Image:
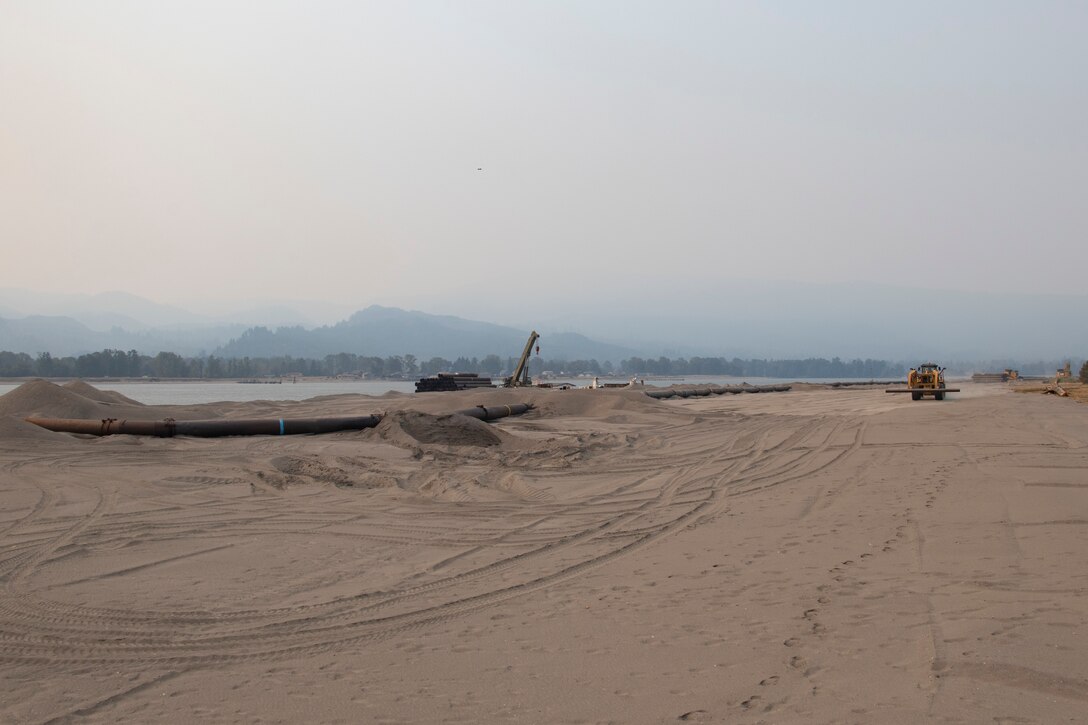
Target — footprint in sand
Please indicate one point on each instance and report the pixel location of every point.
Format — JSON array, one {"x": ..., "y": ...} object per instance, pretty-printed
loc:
[{"x": 751, "y": 702}]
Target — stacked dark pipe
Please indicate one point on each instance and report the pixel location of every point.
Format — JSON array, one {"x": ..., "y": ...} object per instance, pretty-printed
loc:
[
  {"x": 259, "y": 426},
  {"x": 446, "y": 382}
]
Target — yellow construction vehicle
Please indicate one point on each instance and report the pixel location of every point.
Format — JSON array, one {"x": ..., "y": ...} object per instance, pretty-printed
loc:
[
  {"x": 520, "y": 378},
  {"x": 926, "y": 379}
]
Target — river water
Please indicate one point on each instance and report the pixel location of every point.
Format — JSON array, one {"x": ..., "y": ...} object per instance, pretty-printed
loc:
[{"x": 204, "y": 391}]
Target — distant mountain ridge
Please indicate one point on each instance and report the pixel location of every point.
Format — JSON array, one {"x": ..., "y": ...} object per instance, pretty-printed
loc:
[
  {"x": 701, "y": 317},
  {"x": 384, "y": 331},
  {"x": 374, "y": 331}
]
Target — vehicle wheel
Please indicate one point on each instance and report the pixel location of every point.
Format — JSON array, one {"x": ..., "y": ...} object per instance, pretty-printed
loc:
[
  {"x": 915, "y": 396},
  {"x": 939, "y": 396}
]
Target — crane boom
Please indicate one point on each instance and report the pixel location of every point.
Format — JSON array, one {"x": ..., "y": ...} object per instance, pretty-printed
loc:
[{"x": 520, "y": 378}]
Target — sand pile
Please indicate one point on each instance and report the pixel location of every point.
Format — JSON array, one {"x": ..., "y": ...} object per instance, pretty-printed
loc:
[
  {"x": 102, "y": 396},
  {"x": 614, "y": 406},
  {"x": 76, "y": 399},
  {"x": 43, "y": 398},
  {"x": 409, "y": 428},
  {"x": 595, "y": 403}
]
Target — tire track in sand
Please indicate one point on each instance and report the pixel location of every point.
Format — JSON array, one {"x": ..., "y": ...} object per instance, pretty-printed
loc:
[{"x": 34, "y": 629}]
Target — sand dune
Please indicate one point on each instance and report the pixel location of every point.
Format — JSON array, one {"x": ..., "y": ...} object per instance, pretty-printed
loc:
[{"x": 812, "y": 556}]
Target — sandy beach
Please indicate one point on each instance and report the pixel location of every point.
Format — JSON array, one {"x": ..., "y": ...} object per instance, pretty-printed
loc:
[{"x": 820, "y": 555}]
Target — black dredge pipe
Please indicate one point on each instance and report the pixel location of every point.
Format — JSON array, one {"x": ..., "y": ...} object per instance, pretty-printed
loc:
[
  {"x": 169, "y": 427},
  {"x": 494, "y": 412},
  {"x": 272, "y": 426},
  {"x": 717, "y": 390}
]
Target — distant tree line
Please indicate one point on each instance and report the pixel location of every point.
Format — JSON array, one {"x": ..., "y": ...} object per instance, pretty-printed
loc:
[{"x": 131, "y": 364}]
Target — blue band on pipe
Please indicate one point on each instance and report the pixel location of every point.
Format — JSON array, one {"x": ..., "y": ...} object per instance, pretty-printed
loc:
[{"x": 281, "y": 426}]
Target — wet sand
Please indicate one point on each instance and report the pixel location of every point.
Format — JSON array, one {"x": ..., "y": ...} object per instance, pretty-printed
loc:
[{"x": 813, "y": 556}]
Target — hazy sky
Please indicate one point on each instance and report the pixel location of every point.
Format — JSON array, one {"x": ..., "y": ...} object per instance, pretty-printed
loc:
[{"x": 190, "y": 150}]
